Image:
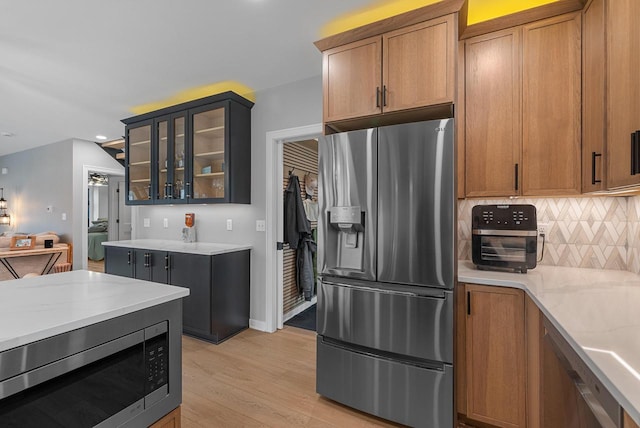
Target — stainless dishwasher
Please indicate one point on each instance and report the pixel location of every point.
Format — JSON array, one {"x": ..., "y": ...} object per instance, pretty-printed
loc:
[{"x": 572, "y": 395}]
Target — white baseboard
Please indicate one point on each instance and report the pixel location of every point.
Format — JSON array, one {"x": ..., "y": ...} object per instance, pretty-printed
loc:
[
  {"x": 300, "y": 308},
  {"x": 259, "y": 325}
]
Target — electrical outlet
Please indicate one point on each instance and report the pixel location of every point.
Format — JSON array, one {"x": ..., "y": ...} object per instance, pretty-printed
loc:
[
  {"x": 64, "y": 216},
  {"x": 261, "y": 226},
  {"x": 229, "y": 224},
  {"x": 146, "y": 222},
  {"x": 543, "y": 228},
  {"x": 165, "y": 223}
]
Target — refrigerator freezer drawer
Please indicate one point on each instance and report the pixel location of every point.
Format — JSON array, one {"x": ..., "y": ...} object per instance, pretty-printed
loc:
[
  {"x": 403, "y": 393},
  {"x": 390, "y": 321}
]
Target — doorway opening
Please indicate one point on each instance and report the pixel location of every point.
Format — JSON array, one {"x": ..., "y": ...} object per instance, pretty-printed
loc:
[
  {"x": 274, "y": 296},
  {"x": 300, "y": 159},
  {"x": 106, "y": 216}
]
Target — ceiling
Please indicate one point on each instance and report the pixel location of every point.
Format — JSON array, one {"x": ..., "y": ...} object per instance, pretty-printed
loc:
[{"x": 74, "y": 68}]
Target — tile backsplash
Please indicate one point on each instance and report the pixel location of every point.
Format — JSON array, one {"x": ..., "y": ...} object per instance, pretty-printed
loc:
[{"x": 590, "y": 232}]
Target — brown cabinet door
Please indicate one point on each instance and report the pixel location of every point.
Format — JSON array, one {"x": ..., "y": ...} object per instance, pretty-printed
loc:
[
  {"x": 495, "y": 356},
  {"x": 352, "y": 78},
  {"x": 492, "y": 114},
  {"x": 623, "y": 68},
  {"x": 418, "y": 65},
  {"x": 593, "y": 97},
  {"x": 551, "y": 106}
]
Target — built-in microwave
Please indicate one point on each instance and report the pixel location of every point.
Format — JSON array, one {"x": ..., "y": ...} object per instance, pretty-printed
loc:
[{"x": 102, "y": 385}]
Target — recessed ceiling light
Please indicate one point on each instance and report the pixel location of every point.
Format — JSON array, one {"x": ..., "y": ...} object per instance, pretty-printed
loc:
[
  {"x": 101, "y": 137},
  {"x": 7, "y": 134}
]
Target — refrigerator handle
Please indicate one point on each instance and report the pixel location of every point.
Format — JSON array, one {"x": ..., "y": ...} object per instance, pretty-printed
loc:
[{"x": 435, "y": 295}]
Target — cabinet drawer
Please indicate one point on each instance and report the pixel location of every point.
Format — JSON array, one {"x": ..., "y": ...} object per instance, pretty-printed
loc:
[
  {"x": 391, "y": 321},
  {"x": 386, "y": 388}
]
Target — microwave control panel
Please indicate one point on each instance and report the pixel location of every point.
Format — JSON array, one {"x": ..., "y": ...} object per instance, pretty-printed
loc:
[
  {"x": 156, "y": 352},
  {"x": 504, "y": 217}
]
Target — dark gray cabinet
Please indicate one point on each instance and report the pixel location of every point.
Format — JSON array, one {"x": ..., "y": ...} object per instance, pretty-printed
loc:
[
  {"x": 151, "y": 265},
  {"x": 119, "y": 261},
  {"x": 195, "y": 152},
  {"x": 218, "y": 303}
]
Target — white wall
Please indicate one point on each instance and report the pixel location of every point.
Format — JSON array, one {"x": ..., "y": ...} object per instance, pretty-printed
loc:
[
  {"x": 52, "y": 175},
  {"x": 288, "y": 106},
  {"x": 38, "y": 178}
]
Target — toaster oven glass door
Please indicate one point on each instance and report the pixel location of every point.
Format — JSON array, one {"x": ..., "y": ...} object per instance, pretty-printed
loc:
[{"x": 503, "y": 248}]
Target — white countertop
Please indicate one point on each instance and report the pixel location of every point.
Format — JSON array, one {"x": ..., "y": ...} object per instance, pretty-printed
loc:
[
  {"x": 35, "y": 308},
  {"x": 203, "y": 248},
  {"x": 597, "y": 312}
]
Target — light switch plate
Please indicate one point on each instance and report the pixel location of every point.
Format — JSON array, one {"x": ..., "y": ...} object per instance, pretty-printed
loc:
[
  {"x": 165, "y": 223},
  {"x": 146, "y": 222},
  {"x": 229, "y": 224},
  {"x": 261, "y": 226}
]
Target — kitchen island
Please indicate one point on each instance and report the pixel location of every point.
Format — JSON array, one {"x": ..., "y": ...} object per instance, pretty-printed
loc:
[
  {"x": 65, "y": 338},
  {"x": 595, "y": 311}
]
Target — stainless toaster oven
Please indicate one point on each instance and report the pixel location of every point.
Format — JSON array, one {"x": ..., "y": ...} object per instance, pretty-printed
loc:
[{"x": 504, "y": 237}]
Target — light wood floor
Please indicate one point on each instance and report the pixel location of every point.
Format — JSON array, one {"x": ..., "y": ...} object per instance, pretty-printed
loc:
[
  {"x": 258, "y": 379},
  {"x": 94, "y": 266}
]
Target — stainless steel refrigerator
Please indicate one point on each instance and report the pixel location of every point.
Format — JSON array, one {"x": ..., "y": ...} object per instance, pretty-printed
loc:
[{"x": 387, "y": 264}]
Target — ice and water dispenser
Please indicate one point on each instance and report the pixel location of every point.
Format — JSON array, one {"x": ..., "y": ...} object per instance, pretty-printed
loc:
[{"x": 346, "y": 237}]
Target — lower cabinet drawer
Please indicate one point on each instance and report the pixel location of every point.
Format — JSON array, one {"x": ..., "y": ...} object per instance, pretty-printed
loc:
[{"x": 394, "y": 390}]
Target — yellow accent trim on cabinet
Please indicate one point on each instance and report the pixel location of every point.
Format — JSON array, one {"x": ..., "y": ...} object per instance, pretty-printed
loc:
[
  {"x": 196, "y": 93},
  {"x": 479, "y": 11}
]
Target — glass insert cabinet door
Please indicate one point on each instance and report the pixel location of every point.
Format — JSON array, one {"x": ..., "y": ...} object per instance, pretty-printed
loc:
[
  {"x": 139, "y": 163},
  {"x": 208, "y": 166},
  {"x": 162, "y": 129},
  {"x": 177, "y": 185}
]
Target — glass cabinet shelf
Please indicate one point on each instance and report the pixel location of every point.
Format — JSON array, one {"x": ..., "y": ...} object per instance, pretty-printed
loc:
[
  {"x": 139, "y": 143},
  {"x": 205, "y": 130}
]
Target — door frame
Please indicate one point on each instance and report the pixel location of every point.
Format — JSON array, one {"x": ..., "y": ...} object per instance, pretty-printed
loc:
[
  {"x": 274, "y": 210},
  {"x": 85, "y": 202}
]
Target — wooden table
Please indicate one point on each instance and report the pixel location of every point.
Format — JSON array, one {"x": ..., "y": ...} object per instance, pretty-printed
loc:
[{"x": 26, "y": 261}]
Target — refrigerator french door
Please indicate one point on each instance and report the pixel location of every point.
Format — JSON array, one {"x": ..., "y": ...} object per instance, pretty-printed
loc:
[{"x": 387, "y": 262}]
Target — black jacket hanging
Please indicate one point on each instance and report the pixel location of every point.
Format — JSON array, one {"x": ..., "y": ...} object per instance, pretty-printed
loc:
[{"x": 296, "y": 224}]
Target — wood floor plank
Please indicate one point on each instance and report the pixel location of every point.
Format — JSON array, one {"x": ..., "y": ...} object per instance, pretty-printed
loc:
[{"x": 260, "y": 379}]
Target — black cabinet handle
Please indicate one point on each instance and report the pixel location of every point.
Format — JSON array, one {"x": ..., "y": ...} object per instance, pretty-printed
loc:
[
  {"x": 635, "y": 152},
  {"x": 170, "y": 192},
  {"x": 128, "y": 257},
  {"x": 147, "y": 260},
  {"x": 378, "y": 96},
  {"x": 594, "y": 155},
  {"x": 384, "y": 95},
  {"x": 149, "y": 191},
  {"x": 166, "y": 262},
  {"x": 516, "y": 172},
  {"x": 166, "y": 187},
  {"x": 637, "y": 157},
  {"x": 188, "y": 186},
  {"x": 468, "y": 303}
]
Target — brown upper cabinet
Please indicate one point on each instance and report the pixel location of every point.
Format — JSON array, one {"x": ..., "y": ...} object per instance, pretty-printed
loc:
[
  {"x": 400, "y": 70},
  {"x": 523, "y": 110},
  {"x": 611, "y": 95}
]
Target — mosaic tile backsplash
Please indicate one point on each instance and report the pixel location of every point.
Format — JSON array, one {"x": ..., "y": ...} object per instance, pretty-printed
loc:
[{"x": 600, "y": 233}]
